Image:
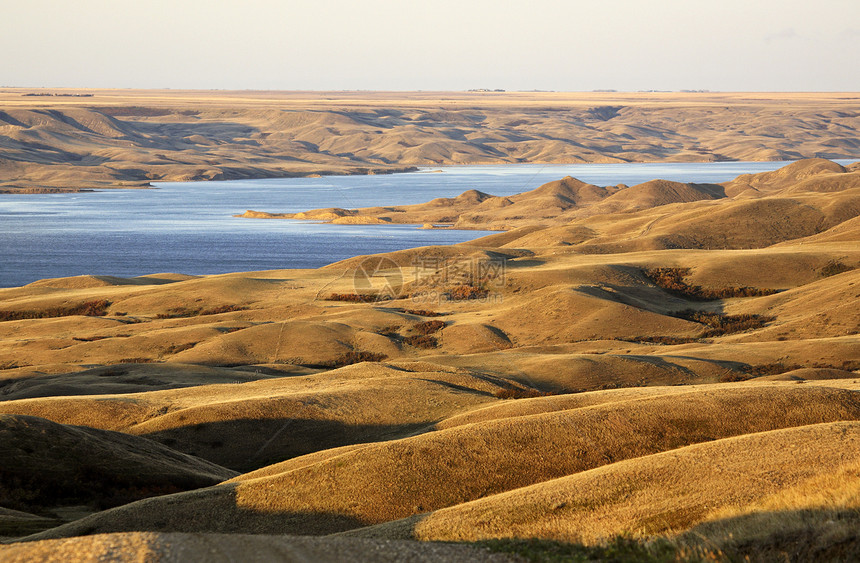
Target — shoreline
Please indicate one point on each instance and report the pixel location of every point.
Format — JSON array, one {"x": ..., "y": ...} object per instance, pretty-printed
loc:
[
  {"x": 153, "y": 184},
  {"x": 422, "y": 169},
  {"x": 558, "y": 202},
  {"x": 480, "y": 218}
]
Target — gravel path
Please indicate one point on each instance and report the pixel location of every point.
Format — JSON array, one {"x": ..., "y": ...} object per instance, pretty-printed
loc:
[{"x": 145, "y": 547}]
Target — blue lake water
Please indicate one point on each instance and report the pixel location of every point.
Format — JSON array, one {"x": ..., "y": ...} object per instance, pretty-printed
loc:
[{"x": 188, "y": 227}]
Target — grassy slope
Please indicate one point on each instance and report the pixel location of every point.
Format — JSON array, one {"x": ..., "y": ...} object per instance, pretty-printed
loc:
[
  {"x": 396, "y": 479},
  {"x": 664, "y": 493},
  {"x": 422, "y": 431},
  {"x": 46, "y": 464},
  {"x": 250, "y": 425}
]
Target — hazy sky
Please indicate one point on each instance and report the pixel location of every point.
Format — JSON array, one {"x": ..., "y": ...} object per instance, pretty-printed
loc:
[{"x": 727, "y": 45}]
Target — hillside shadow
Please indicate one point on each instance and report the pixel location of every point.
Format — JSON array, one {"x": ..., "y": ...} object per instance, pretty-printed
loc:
[
  {"x": 661, "y": 363},
  {"x": 647, "y": 298},
  {"x": 96, "y": 486},
  {"x": 173, "y": 134},
  {"x": 219, "y": 509},
  {"x": 73, "y": 385},
  {"x": 13, "y": 529},
  {"x": 791, "y": 535},
  {"x": 512, "y": 264},
  {"x": 123, "y": 379},
  {"x": 47, "y": 154},
  {"x": 455, "y": 387},
  {"x": 247, "y": 444},
  {"x": 9, "y": 120},
  {"x": 725, "y": 364},
  {"x": 403, "y": 529},
  {"x": 794, "y": 535}
]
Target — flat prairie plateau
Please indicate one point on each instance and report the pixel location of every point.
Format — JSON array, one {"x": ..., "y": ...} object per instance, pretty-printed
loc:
[
  {"x": 60, "y": 139},
  {"x": 667, "y": 371}
]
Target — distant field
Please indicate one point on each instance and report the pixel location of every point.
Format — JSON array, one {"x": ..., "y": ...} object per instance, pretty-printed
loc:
[{"x": 78, "y": 139}]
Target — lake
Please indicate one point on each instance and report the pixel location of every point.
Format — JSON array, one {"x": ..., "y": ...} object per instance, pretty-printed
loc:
[{"x": 187, "y": 227}]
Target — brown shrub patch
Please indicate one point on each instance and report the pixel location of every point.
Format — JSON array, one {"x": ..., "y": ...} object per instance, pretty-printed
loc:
[
  {"x": 422, "y": 313},
  {"x": 778, "y": 367},
  {"x": 176, "y": 348},
  {"x": 88, "y": 308},
  {"x": 769, "y": 369},
  {"x": 98, "y": 337},
  {"x": 429, "y": 327},
  {"x": 760, "y": 370},
  {"x": 223, "y": 309},
  {"x": 672, "y": 280},
  {"x": 355, "y": 357},
  {"x": 662, "y": 340},
  {"x": 112, "y": 372},
  {"x": 517, "y": 393},
  {"x": 135, "y": 361},
  {"x": 467, "y": 291},
  {"x": 835, "y": 267},
  {"x": 13, "y": 365},
  {"x": 422, "y": 341},
  {"x": 357, "y": 297},
  {"x": 721, "y": 323},
  {"x": 734, "y": 377},
  {"x": 184, "y": 312}
]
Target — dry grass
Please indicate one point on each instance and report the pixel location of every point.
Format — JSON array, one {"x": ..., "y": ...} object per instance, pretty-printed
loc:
[
  {"x": 665, "y": 493},
  {"x": 113, "y": 379},
  {"x": 185, "y": 312},
  {"x": 556, "y": 296},
  {"x": 272, "y": 419},
  {"x": 559, "y": 402},
  {"x": 371, "y": 443},
  {"x": 817, "y": 518},
  {"x": 445, "y": 468}
]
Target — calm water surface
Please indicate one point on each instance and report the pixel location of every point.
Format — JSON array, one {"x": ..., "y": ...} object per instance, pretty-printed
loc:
[{"x": 188, "y": 227}]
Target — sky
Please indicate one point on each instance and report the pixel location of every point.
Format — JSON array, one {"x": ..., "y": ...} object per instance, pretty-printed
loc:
[{"x": 625, "y": 45}]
